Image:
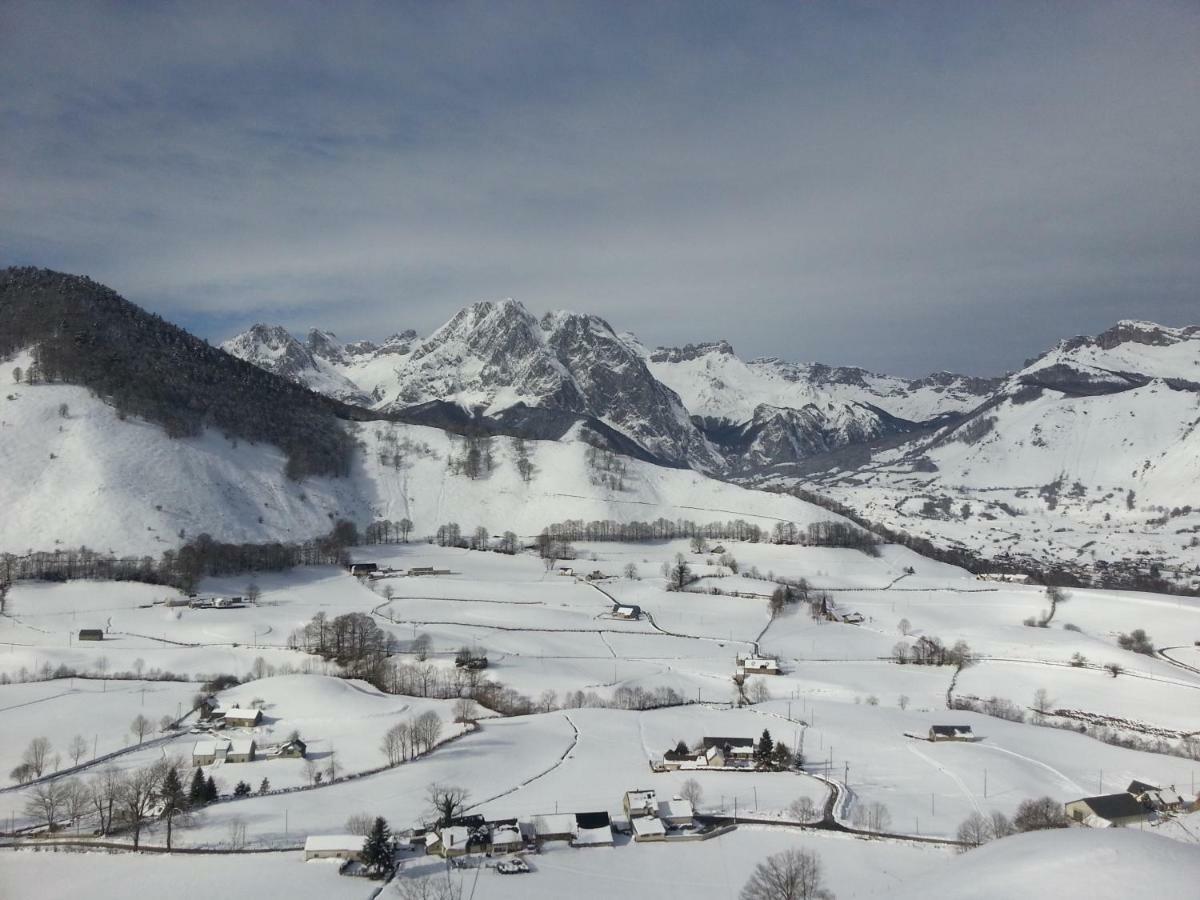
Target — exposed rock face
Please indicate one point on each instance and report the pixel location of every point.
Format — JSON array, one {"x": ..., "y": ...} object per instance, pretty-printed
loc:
[{"x": 492, "y": 357}]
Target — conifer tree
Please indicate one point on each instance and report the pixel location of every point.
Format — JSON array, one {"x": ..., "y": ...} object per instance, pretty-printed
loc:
[{"x": 377, "y": 849}]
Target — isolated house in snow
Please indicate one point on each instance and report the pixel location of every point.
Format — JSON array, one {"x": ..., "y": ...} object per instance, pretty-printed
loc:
[
  {"x": 1107, "y": 811},
  {"x": 757, "y": 665},
  {"x": 621, "y": 611},
  {"x": 364, "y": 568},
  {"x": 242, "y": 718},
  {"x": 334, "y": 846},
  {"x": 91, "y": 634},
  {"x": 951, "y": 733}
]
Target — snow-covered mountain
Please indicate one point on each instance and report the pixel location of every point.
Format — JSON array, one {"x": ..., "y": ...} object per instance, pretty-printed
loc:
[
  {"x": 768, "y": 413},
  {"x": 1090, "y": 454},
  {"x": 492, "y": 357},
  {"x": 700, "y": 406}
]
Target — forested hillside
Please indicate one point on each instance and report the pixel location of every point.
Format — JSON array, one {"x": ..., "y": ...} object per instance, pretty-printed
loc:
[{"x": 83, "y": 333}]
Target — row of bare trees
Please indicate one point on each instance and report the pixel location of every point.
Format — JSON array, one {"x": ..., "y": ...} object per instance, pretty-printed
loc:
[
  {"x": 410, "y": 738},
  {"x": 119, "y": 799}
]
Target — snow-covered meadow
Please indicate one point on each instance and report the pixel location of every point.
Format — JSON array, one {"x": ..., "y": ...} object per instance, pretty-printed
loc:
[{"x": 548, "y": 635}]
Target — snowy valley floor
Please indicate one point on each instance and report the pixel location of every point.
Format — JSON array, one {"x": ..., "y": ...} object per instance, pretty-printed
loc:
[{"x": 839, "y": 697}]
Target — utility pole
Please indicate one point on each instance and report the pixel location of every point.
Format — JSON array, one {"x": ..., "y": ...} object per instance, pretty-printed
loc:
[
  {"x": 932, "y": 807},
  {"x": 985, "y": 784},
  {"x": 756, "y": 796}
]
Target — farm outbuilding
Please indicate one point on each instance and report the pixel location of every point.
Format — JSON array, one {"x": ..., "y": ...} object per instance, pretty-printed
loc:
[
  {"x": 334, "y": 846},
  {"x": 91, "y": 634},
  {"x": 242, "y": 718},
  {"x": 951, "y": 733},
  {"x": 593, "y": 829},
  {"x": 1107, "y": 811}
]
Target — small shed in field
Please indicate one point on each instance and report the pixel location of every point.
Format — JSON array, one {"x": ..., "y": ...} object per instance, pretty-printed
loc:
[
  {"x": 91, "y": 634},
  {"x": 951, "y": 733}
]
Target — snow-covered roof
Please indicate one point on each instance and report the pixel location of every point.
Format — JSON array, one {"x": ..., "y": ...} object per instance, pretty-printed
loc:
[
  {"x": 209, "y": 748},
  {"x": 506, "y": 834},
  {"x": 646, "y": 826},
  {"x": 553, "y": 823},
  {"x": 601, "y": 835},
  {"x": 235, "y": 712},
  {"x": 639, "y": 798},
  {"x": 455, "y": 836},
  {"x": 348, "y": 842},
  {"x": 676, "y": 808},
  {"x": 241, "y": 745}
]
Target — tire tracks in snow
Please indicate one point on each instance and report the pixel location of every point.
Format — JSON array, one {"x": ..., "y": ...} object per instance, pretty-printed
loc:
[{"x": 966, "y": 792}]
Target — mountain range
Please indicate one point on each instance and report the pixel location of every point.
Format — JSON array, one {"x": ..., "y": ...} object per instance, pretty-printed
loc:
[{"x": 1086, "y": 459}]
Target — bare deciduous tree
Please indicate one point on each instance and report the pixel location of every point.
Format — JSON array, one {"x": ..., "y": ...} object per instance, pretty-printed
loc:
[
  {"x": 790, "y": 875},
  {"x": 446, "y": 802},
  {"x": 359, "y": 823},
  {"x": 47, "y": 801},
  {"x": 77, "y": 748},
  {"x": 803, "y": 809},
  {"x": 691, "y": 791},
  {"x": 37, "y": 754},
  {"x": 136, "y": 796},
  {"x": 139, "y": 727}
]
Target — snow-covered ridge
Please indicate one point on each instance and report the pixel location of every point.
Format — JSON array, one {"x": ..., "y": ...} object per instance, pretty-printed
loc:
[{"x": 490, "y": 357}]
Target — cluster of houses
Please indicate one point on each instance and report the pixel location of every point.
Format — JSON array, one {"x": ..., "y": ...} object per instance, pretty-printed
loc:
[
  {"x": 216, "y": 602},
  {"x": 373, "y": 570},
  {"x": 237, "y": 749},
  {"x": 646, "y": 818},
  {"x": 1138, "y": 803},
  {"x": 712, "y": 753}
]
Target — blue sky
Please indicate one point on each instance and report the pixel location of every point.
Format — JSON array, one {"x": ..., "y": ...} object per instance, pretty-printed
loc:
[{"x": 906, "y": 187}]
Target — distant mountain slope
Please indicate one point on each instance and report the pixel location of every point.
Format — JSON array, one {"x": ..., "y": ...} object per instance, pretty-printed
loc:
[
  {"x": 1089, "y": 455},
  {"x": 91, "y": 478},
  {"x": 81, "y": 332}
]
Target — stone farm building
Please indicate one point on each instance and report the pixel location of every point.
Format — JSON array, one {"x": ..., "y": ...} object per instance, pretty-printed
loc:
[
  {"x": 238, "y": 750},
  {"x": 242, "y": 718}
]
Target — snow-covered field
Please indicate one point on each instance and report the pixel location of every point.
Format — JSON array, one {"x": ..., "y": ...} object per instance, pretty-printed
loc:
[{"x": 547, "y": 635}]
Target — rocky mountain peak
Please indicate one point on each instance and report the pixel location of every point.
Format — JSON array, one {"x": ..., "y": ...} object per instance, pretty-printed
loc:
[{"x": 689, "y": 352}]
